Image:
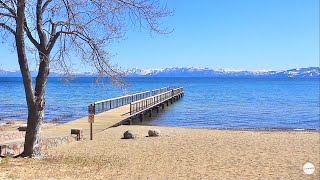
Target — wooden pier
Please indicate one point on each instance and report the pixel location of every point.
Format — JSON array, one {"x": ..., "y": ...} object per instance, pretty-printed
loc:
[
  {"x": 107, "y": 113},
  {"x": 120, "y": 110}
]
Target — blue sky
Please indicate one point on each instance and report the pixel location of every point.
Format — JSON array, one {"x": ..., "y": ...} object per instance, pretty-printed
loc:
[{"x": 221, "y": 34}]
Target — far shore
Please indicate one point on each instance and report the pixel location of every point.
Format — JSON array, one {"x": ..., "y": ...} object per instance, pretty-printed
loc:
[{"x": 179, "y": 153}]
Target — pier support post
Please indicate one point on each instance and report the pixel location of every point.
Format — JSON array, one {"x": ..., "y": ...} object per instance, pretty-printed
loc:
[
  {"x": 150, "y": 112},
  {"x": 162, "y": 105},
  {"x": 141, "y": 117},
  {"x": 167, "y": 102},
  {"x": 157, "y": 108},
  {"x": 130, "y": 121},
  {"x": 171, "y": 100}
]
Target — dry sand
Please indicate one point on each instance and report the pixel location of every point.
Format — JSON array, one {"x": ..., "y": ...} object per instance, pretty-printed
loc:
[{"x": 178, "y": 154}]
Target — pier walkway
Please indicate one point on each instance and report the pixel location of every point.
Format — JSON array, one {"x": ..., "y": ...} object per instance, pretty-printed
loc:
[{"x": 107, "y": 113}]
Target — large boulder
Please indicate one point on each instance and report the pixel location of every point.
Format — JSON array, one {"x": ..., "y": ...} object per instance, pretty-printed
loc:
[
  {"x": 154, "y": 132},
  {"x": 129, "y": 135}
]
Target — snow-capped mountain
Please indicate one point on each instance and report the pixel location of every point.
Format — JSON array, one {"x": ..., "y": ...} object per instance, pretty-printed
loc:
[{"x": 311, "y": 72}]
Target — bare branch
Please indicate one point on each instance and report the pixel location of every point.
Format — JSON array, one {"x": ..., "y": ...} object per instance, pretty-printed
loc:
[
  {"x": 52, "y": 41},
  {"x": 7, "y": 15},
  {"x": 29, "y": 35},
  {"x": 39, "y": 14},
  {"x": 12, "y": 11},
  {"x": 3, "y": 25},
  {"x": 148, "y": 11},
  {"x": 45, "y": 5}
]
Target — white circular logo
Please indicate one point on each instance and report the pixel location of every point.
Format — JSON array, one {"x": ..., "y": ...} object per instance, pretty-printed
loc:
[{"x": 308, "y": 168}]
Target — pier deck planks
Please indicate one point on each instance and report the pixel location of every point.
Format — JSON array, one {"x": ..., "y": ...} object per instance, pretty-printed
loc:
[{"x": 102, "y": 121}]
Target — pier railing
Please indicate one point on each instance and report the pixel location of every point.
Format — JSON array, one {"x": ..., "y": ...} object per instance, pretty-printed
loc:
[
  {"x": 147, "y": 103},
  {"x": 105, "y": 105}
]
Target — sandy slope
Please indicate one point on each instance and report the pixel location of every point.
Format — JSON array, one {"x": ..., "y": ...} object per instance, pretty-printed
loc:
[{"x": 178, "y": 154}]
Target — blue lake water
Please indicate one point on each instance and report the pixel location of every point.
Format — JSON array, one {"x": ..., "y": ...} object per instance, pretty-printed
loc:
[{"x": 208, "y": 102}]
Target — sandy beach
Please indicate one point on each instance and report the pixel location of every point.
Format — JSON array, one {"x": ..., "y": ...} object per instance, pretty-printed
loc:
[{"x": 179, "y": 153}]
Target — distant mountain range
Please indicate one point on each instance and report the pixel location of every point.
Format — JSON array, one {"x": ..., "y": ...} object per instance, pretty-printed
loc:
[{"x": 311, "y": 72}]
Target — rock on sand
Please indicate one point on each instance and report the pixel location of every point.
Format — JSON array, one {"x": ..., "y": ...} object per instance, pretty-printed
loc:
[
  {"x": 154, "y": 132},
  {"x": 129, "y": 135}
]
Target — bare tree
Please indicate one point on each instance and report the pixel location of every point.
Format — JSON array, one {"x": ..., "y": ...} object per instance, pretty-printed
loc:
[{"x": 59, "y": 29}]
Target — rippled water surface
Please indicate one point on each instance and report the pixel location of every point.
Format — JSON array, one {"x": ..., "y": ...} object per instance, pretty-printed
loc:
[{"x": 208, "y": 102}]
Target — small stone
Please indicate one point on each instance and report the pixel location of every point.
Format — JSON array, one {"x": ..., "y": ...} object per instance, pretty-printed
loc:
[
  {"x": 11, "y": 122},
  {"x": 22, "y": 127},
  {"x": 154, "y": 132},
  {"x": 129, "y": 135}
]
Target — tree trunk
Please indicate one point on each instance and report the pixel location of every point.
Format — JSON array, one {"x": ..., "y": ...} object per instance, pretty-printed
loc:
[{"x": 32, "y": 146}]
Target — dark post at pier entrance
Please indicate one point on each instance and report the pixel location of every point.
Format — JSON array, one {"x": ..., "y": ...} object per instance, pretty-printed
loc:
[{"x": 91, "y": 110}]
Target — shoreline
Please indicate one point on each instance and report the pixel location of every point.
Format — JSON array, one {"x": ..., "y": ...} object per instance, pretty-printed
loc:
[
  {"x": 17, "y": 121},
  {"x": 240, "y": 129}
]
